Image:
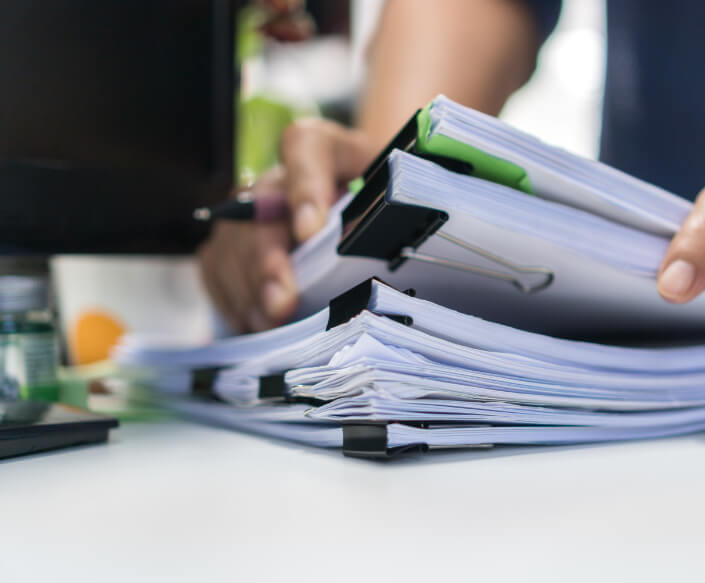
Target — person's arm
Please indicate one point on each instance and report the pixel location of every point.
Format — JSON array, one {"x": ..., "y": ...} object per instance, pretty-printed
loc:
[{"x": 475, "y": 51}]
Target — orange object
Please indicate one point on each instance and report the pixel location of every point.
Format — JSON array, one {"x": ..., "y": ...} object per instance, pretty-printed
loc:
[{"x": 93, "y": 336}]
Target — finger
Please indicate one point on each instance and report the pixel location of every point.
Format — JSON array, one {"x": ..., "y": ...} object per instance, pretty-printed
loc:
[
  {"x": 244, "y": 272},
  {"x": 311, "y": 181},
  {"x": 318, "y": 155},
  {"x": 234, "y": 272},
  {"x": 682, "y": 274},
  {"x": 279, "y": 295},
  {"x": 232, "y": 250},
  {"x": 270, "y": 183},
  {"x": 273, "y": 283},
  {"x": 226, "y": 308},
  {"x": 230, "y": 269},
  {"x": 208, "y": 268},
  {"x": 259, "y": 284}
]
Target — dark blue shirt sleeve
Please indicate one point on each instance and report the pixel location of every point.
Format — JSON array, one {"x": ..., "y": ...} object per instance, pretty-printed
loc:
[{"x": 546, "y": 13}]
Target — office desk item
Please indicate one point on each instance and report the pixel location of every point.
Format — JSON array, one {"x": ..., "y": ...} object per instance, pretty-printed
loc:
[
  {"x": 29, "y": 350},
  {"x": 547, "y": 241},
  {"x": 117, "y": 120},
  {"x": 100, "y": 298},
  {"x": 33, "y": 426},
  {"x": 493, "y": 251},
  {"x": 379, "y": 372},
  {"x": 471, "y": 142},
  {"x": 479, "y": 220},
  {"x": 245, "y": 207}
]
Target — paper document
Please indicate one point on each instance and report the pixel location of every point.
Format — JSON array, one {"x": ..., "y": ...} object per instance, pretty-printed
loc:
[
  {"x": 513, "y": 247},
  {"x": 582, "y": 275},
  {"x": 437, "y": 369}
]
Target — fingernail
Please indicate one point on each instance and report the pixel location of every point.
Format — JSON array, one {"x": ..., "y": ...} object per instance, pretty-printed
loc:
[
  {"x": 677, "y": 279},
  {"x": 307, "y": 221},
  {"x": 276, "y": 299},
  {"x": 257, "y": 321}
]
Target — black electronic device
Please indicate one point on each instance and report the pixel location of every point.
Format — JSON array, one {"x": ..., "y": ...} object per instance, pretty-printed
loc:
[
  {"x": 116, "y": 120},
  {"x": 32, "y": 426}
]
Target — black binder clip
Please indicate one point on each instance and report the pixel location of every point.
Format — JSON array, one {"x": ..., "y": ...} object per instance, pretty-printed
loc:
[
  {"x": 341, "y": 309},
  {"x": 203, "y": 381},
  {"x": 405, "y": 140},
  {"x": 372, "y": 227},
  {"x": 272, "y": 386},
  {"x": 369, "y": 441},
  {"x": 354, "y": 301}
]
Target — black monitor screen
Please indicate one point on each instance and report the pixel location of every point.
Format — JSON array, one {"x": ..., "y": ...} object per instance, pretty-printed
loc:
[{"x": 115, "y": 121}]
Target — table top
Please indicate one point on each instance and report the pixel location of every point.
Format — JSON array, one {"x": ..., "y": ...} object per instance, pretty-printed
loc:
[{"x": 174, "y": 501}]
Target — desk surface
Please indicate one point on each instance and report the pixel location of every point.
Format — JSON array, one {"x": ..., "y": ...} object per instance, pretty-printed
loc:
[{"x": 181, "y": 502}]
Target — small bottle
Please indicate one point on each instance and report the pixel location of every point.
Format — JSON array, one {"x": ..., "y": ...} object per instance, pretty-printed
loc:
[{"x": 28, "y": 342}]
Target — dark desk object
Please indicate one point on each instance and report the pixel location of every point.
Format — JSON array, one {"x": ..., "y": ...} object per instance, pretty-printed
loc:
[
  {"x": 116, "y": 121},
  {"x": 32, "y": 426}
]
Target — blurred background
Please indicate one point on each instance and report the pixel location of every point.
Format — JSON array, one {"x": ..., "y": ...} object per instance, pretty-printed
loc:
[
  {"x": 317, "y": 66},
  {"x": 322, "y": 75}
]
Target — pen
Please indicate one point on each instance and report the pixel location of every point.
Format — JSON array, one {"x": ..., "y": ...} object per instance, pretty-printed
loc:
[{"x": 246, "y": 208}]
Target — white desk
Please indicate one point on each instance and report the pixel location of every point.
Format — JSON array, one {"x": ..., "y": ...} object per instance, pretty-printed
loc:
[{"x": 179, "y": 502}]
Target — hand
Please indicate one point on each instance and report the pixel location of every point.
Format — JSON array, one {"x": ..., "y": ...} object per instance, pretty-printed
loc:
[
  {"x": 245, "y": 266},
  {"x": 682, "y": 274}
]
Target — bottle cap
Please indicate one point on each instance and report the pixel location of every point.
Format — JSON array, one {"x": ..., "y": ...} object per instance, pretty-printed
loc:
[{"x": 21, "y": 293}]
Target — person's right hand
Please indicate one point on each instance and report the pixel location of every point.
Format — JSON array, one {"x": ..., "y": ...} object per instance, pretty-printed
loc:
[{"x": 245, "y": 266}]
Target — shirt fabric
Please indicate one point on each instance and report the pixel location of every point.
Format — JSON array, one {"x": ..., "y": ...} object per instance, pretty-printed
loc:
[{"x": 653, "y": 119}]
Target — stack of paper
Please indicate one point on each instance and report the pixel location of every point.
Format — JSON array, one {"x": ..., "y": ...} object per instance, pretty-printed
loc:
[
  {"x": 579, "y": 257},
  {"x": 520, "y": 233},
  {"x": 560, "y": 176},
  {"x": 440, "y": 367}
]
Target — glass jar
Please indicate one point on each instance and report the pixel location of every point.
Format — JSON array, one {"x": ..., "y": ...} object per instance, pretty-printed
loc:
[{"x": 28, "y": 341}]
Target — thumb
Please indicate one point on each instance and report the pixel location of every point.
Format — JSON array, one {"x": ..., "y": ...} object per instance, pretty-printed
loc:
[
  {"x": 318, "y": 155},
  {"x": 682, "y": 274}
]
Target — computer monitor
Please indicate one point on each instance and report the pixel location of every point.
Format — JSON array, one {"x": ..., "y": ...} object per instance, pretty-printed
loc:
[{"x": 116, "y": 120}]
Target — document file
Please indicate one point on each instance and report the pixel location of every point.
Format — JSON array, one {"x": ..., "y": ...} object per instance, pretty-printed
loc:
[
  {"x": 502, "y": 254},
  {"x": 410, "y": 368},
  {"x": 514, "y": 249}
]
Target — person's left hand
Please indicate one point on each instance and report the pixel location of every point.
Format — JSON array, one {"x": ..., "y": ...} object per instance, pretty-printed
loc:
[{"x": 682, "y": 274}]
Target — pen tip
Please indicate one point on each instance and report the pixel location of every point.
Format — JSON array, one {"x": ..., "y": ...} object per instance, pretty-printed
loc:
[{"x": 202, "y": 214}]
